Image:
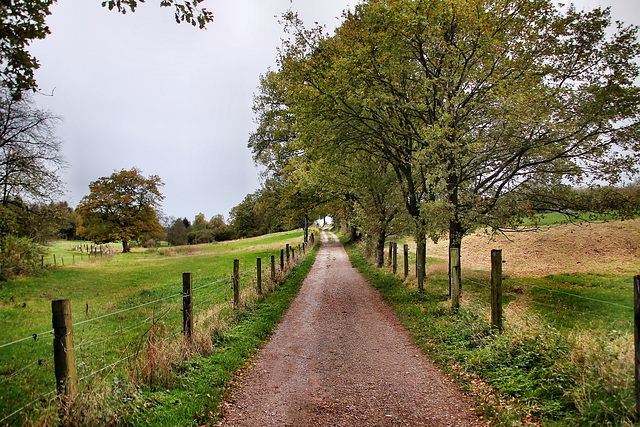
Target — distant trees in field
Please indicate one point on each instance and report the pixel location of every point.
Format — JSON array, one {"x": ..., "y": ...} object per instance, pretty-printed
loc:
[{"x": 181, "y": 231}]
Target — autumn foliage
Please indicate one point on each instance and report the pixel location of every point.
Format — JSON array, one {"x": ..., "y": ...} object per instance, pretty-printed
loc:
[{"x": 121, "y": 207}]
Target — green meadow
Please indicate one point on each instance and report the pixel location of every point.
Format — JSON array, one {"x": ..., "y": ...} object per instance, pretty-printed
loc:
[{"x": 119, "y": 303}]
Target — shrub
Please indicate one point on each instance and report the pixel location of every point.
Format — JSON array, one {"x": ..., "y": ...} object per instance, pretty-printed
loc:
[{"x": 20, "y": 255}]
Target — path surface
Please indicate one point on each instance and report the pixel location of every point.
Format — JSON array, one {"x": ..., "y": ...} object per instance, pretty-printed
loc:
[{"x": 342, "y": 358}]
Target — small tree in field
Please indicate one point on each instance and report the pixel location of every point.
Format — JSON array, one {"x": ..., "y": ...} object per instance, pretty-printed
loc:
[{"x": 121, "y": 207}]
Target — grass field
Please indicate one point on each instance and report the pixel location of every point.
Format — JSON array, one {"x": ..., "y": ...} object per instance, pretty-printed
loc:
[
  {"x": 566, "y": 355},
  {"x": 118, "y": 303}
]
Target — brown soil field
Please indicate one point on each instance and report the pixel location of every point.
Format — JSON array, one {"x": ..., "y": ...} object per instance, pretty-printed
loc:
[{"x": 609, "y": 247}]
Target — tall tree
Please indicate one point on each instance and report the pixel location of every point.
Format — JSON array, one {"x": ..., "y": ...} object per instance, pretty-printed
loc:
[
  {"x": 275, "y": 146},
  {"x": 22, "y": 21},
  {"x": 243, "y": 219},
  {"x": 121, "y": 207},
  {"x": 30, "y": 154},
  {"x": 177, "y": 233},
  {"x": 475, "y": 104},
  {"x": 219, "y": 228},
  {"x": 367, "y": 188},
  {"x": 30, "y": 161}
]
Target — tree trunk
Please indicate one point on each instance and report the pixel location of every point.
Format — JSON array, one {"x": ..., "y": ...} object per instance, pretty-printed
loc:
[
  {"x": 421, "y": 259},
  {"x": 354, "y": 233},
  {"x": 382, "y": 237},
  {"x": 125, "y": 246},
  {"x": 306, "y": 228}
]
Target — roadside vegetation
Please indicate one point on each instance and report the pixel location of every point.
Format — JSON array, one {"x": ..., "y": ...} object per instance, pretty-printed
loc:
[{"x": 566, "y": 354}]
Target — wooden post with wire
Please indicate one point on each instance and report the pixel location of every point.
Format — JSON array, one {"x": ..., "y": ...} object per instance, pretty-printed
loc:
[
  {"x": 236, "y": 283},
  {"x": 187, "y": 305},
  {"x": 63, "y": 351},
  {"x": 406, "y": 261},
  {"x": 496, "y": 289},
  {"x": 273, "y": 268},
  {"x": 281, "y": 259},
  {"x": 395, "y": 257},
  {"x": 454, "y": 274},
  {"x": 636, "y": 330},
  {"x": 259, "y": 276}
]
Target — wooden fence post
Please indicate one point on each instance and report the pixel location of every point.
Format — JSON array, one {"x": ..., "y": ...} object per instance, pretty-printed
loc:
[
  {"x": 187, "y": 305},
  {"x": 273, "y": 268},
  {"x": 259, "y": 276},
  {"x": 636, "y": 330},
  {"x": 406, "y": 261},
  {"x": 421, "y": 255},
  {"x": 395, "y": 257},
  {"x": 63, "y": 350},
  {"x": 390, "y": 253},
  {"x": 55, "y": 264},
  {"x": 288, "y": 253},
  {"x": 236, "y": 283},
  {"x": 281, "y": 259},
  {"x": 496, "y": 289},
  {"x": 454, "y": 257}
]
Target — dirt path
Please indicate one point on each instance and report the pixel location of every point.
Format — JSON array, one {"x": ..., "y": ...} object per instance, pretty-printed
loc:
[{"x": 342, "y": 358}]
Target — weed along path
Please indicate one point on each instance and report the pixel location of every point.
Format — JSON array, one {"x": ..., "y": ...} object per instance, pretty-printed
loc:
[{"x": 342, "y": 358}]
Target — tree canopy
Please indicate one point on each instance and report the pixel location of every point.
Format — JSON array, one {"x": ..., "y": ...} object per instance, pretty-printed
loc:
[
  {"x": 22, "y": 21},
  {"x": 121, "y": 207},
  {"x": 486, "y": 111}
]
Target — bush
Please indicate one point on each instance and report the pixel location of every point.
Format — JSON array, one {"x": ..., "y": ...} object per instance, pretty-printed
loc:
[{"x": 19, "y": 256}]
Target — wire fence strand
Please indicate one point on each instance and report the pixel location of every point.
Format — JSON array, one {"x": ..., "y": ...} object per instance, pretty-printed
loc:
[
  {"x": 555, "y": 307},
  {"x": 30, "y": 337},
  {"x": 212, "y": 283},
  {"x": 571, "y": 294},
  {"x": 128, "y": 309}
]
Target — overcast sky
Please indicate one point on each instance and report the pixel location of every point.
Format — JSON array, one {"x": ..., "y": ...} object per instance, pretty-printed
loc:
[{"x": 175, "y": 101}]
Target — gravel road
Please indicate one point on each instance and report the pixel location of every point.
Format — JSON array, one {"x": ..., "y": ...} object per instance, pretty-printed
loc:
[{"x": 341, "y": 357}]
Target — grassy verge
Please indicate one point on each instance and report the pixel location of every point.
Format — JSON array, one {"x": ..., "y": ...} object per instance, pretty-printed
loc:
[
  {"x": 206, "y": 382},
  {"x": 538, "y": 371}
]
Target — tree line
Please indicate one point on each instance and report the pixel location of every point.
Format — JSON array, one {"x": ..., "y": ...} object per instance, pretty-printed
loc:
[
  {"x": 428, "y": 117},
  {"x": 437, "y": 118}
]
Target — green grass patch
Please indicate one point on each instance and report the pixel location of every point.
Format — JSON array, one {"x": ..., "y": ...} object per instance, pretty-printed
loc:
[
  {"x": 568, "y": 362},
  {"x": 559, "y": 218}
]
